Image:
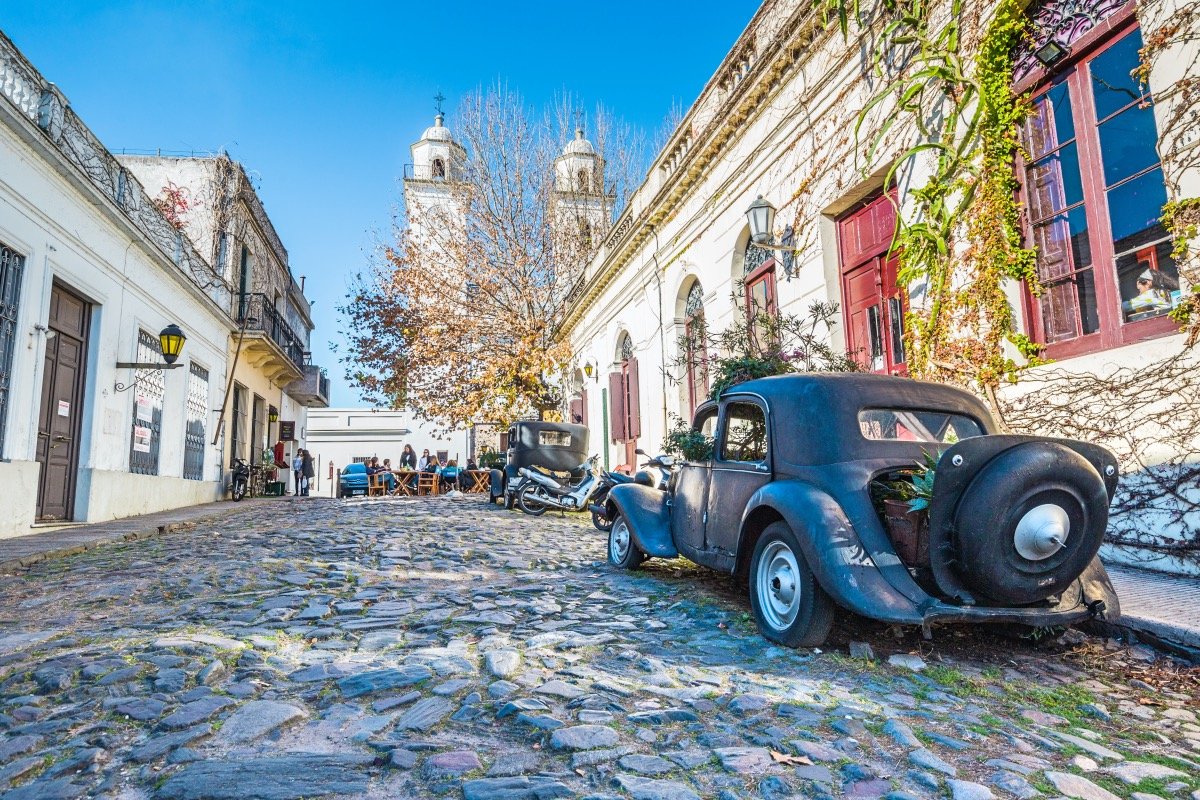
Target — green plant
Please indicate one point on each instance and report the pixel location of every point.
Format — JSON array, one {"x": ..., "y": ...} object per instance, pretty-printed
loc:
[
  {"x": 922, "y": 484},
  {"x": 686, "y": 442}
]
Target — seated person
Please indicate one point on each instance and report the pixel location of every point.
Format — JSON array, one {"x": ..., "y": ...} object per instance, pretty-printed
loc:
[
  {"x": 471, "y": 465},
  {"x": 374, "y": 468},
  {"x": 1155, "y": 295},
  {"x": 448, "y": 475}
]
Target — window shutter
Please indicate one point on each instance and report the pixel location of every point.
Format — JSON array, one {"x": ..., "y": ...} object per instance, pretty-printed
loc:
[
  {"x": 635, "y": 410},
  {"x": 576, "y": 410},
  {"x": 616, "y": 406},
  {"x": 583, "y": 406}
]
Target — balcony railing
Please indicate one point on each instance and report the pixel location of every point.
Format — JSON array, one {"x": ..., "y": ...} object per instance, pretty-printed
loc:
[
  {"x": 425, "y": 172},
  {"x": 256, "y": 311}
]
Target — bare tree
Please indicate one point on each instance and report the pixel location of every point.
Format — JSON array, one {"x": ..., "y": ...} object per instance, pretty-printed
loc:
[{"x": 457, "y": 318}]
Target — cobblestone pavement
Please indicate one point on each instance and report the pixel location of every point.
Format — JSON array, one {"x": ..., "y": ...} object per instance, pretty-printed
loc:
[{"x": 428, "y": 648}]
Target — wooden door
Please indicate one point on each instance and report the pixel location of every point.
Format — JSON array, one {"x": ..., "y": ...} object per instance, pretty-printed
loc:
[
  {"x": 874, "y": 305},
  {"x": 62, "y": 404}
]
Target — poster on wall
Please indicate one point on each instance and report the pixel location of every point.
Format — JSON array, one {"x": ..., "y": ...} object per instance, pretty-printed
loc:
[
  {"x": 143, "y": 408},
  {"x": 141, "y": 439},
  {"x": 287, "y": 431}
]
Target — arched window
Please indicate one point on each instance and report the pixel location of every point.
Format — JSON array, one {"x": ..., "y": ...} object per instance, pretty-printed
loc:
[
  {"x": 758, "y": 284},
  {"x": 583, "y": 180},
  {"x": 439, "y": 169},
  {"x": 695, "y": 337}
]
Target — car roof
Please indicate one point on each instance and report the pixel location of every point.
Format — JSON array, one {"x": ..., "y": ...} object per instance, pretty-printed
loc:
[
  {"x": 357, "y": 466},
  {"x": 829, "y": 404}
]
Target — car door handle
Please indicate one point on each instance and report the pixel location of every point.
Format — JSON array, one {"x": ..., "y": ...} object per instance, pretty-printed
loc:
[{"x": 762, "y": 468}]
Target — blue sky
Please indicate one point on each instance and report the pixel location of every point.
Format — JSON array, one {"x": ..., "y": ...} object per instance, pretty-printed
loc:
[{"x": 322, "y": 100}]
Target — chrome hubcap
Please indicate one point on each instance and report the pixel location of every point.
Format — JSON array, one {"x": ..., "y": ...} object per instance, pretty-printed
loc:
[
  {"x": 1042, "y": 532},
  {"x": 618, "y": 542},
  {"x": 778, "y": 585}
]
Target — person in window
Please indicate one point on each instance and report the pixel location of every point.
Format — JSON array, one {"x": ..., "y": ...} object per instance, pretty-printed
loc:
[
  {"x": 408, "y": 459},
  {"x": 423, "y": 461},
  {"x": 448, "y": 475},
  {"x": 1154, "y": 295}
]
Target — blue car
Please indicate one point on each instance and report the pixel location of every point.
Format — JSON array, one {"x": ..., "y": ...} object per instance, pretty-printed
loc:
[{"x": 352, "y": 480}]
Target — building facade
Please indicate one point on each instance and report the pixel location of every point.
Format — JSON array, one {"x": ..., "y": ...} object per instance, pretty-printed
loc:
[
  {"x": 777, "y": 121},
  {"x": 90, "y": 272},
  {"x": 341, "y": 436},
  {"x": 272, "y": 381}
]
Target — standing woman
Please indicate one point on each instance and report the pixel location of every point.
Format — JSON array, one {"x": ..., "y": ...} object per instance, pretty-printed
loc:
[
  {"x": 298, "y": 469},
  {"x": 424, "y": 460},
  {"x": 310, "y": 471},
  {"x": 408, "y": 459}
]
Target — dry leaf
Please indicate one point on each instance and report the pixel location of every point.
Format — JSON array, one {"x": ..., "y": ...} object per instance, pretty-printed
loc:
[{"x": 784, "y": 758}]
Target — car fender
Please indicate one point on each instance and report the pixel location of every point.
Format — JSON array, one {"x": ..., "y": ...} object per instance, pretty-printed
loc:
[
  {"x": 646, "y": 512},
  {"x": 840, "y": 562}
]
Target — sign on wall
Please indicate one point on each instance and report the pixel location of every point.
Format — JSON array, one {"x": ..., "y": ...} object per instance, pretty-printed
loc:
[
  {"x": 141, "y": 439},
  {"x": 287, "y": 431}
]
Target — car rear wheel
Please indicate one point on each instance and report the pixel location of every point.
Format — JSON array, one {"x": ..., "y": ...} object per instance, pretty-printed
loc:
[
  {"x": 622, "y": 552},
  {"x": 788, "y": 604}
]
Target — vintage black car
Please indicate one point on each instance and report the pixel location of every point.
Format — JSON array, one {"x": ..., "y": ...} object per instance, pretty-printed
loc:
[
  {"x": 558, "y": 447},
  {"x": 785, "y": 503}
]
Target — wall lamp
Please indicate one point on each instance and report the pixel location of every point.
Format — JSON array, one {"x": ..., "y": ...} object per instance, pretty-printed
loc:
[
  {"x": 272, "y": 414},
  {"x": 170, "y": 341},
  {"x": 1051, "y": 53},
  {"x": 761, "y": 216}
]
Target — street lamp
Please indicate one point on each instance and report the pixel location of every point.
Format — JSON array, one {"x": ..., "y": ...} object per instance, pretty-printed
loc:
[
  {"x": 588, "y": 369},
  {"x": 761, "y": 216},
  {"x": 170, "y": 342},
  {"x": 272, "y": 414}
]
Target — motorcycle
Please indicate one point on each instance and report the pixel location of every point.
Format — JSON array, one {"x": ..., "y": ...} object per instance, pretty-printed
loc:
[
  {"x": 663, "y": 463},
  {"x": 240, "y": 478},
  {"x": 541, "y": 492}
]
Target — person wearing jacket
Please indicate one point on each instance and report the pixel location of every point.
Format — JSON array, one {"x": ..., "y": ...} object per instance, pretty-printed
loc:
[
  {"x": 298, "y": 469},
  {"x": 448, "y": 475},
  {"x": 308, "y": 469},
  {"x": 408, "y": 459},
  {"x": 423, "y": 461}
]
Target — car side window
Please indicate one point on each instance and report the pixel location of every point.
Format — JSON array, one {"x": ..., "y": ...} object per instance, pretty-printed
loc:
[{"x": 745, "y": 435}]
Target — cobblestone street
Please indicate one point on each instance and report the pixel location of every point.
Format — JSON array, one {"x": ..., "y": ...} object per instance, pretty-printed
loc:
[{"x": 427, "y": 648}]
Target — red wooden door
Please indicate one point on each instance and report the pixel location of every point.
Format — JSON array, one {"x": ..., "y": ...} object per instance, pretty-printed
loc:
[{"x": 873, "y": 304}]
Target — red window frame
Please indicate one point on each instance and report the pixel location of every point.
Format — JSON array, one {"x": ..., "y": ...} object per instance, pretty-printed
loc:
[
  {"x": 1113, "y": 331},
  {"x": 763, "y": 274}
]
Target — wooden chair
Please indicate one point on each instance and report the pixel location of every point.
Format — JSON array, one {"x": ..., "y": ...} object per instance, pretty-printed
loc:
[
  {"x": 427, "y": 483},
  {"x": 376, "y": 485}
]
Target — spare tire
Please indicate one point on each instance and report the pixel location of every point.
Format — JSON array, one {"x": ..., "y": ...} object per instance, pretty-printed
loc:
[{"x": 1029, "y": 523}]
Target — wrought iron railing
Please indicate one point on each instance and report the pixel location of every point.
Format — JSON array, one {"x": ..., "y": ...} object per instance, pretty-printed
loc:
[
  {"x": 426, "y": 172},
  {"x": 258, "y": 314}
]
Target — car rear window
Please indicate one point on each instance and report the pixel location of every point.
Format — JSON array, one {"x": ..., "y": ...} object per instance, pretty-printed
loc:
[
  {"x": 554, "y": 439},
  {"x": 916, "y": 425}
]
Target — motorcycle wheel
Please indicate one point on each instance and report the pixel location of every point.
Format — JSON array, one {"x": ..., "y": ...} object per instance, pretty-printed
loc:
[
  {"x": 239, "y": 490},
  {"x": 529, "y": 502},
  {"x": 601, "y": 522}
]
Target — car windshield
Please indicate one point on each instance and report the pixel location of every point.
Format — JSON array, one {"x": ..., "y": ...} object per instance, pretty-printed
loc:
[{"x": 916, "y": 425}]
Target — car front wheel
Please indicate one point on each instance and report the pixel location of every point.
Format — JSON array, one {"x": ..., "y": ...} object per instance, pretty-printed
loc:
[
  {"x": 622, "y": 552},
  {"x": 789, "y": 606}
]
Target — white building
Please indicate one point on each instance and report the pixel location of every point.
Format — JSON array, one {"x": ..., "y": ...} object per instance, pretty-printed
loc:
[
  {"x": 776, "y": 120},
  {"x": 90, "y": 272},
  {"x": 341, "y": 436}
]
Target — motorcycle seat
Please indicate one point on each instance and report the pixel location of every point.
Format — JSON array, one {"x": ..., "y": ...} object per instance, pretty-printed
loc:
[{"x": 620, "y": 477}]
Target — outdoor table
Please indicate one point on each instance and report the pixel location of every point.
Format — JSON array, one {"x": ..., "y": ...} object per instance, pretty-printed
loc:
[
  {"x": 406, "y": 484},
  {"x": 480, "y": 480}
]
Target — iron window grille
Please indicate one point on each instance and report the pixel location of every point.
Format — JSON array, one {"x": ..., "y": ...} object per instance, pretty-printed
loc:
[
  {"x": 150, "y": 388},
  {"x": 197, "y": 415},
  {"x": 12, "y": 264}
]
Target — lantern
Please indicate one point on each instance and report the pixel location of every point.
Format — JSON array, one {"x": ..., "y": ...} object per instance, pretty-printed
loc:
[{"x": 171, "y": 340}]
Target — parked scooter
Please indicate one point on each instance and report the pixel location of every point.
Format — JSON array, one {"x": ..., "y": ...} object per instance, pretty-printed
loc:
[
  {"x": 240, "y": 479},
  {"x": 541, "y": 492},
  {"x": 664, "y": 464}
]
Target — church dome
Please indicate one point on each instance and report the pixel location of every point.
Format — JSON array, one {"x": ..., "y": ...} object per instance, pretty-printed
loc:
[
  {"x": 439, "y": 132},
  {"x": 579, "y": 146}
]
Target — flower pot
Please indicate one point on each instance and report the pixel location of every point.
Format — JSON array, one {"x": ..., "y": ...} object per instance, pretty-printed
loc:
[{"x": 909, "y": 532}]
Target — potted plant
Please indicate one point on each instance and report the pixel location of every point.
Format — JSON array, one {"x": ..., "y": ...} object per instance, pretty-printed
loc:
[{"x": 905, "y": 500}]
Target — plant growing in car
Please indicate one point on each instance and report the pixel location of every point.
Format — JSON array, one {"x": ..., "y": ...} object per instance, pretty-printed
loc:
[{"x": 686, "y": 442}]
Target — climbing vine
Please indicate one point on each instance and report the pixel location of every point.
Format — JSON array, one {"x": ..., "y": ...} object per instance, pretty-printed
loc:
[
  {"x": 962, "y": 239},
  {"x": 1181, "y": 218}
]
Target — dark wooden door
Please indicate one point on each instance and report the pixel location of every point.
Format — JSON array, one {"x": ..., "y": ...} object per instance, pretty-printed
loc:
[
  {"x": 62, "y": 404},
  {"x": 874, "y": 304}
]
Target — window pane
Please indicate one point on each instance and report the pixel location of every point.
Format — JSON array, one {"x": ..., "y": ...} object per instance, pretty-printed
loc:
[
  {"x": 745, "y": 433},
  {"x": 1127, "y": 143},
  {"x": 1149, "y": 281},
  {"x": 1051, "y": 123},
  {"x": 896, "y": 317},
  {"x": 1113, "y": 85},
  {"x": 1069, "y": 308},
  {"x": 1134, "y": 209},
  {"x": 912, "y": 425},
  {"x": 1054, "y": 183},
  {"x": 554, "y": 439},
  {"x": 1062, "y": 244}
]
